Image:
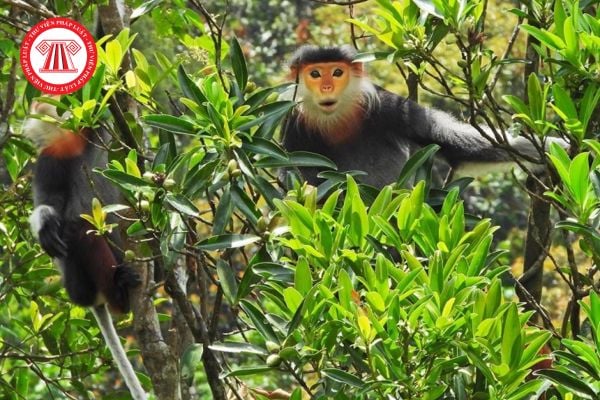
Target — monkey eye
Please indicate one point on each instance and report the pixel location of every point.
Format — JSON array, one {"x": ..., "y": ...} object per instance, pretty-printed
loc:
[
  {"x": 315, "y": 74},
  {"x": 338, "y": 72}
]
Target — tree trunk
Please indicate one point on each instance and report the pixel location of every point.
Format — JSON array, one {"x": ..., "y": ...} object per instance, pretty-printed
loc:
[{"x": 538, "y": 224}]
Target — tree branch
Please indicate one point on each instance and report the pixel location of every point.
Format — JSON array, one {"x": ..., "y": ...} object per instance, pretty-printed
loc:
[{"x": 32, "y": 7}]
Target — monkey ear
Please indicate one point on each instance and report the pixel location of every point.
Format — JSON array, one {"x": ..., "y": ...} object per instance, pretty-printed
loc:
[
  {"x": 358, "y": 69},
  {"x": 294, "y": 71}
]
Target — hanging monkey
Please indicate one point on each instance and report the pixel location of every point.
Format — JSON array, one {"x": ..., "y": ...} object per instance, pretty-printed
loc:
[{"x": 64, "y": 185}]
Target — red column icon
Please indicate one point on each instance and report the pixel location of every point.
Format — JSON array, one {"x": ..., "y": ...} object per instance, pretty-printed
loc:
[{"x": 58, "y": 55}]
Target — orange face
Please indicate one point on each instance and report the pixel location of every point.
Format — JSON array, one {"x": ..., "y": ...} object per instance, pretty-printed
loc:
[{"x": 326, "y": 82}]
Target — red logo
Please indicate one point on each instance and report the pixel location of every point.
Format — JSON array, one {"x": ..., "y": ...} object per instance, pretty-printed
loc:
[{"x": 58, "y": 56}]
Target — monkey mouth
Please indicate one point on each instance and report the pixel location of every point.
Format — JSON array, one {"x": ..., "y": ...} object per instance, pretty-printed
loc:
[{"x": 328, "y": 105}]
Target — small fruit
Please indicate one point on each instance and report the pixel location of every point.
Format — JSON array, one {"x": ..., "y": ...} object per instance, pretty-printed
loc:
[
  {"x": 232, "y": 165},
  {"x": 273, "y": 360},
  {"x": 250, "y": 87},
  {"x": 169, "y": 183},
  {"x": 144, "y": 205},
  {"x": 129, "y": 255},
  {"x": 272, "y": 97},
  {"x": 272, "y": 346},
  {"x": 148, "y": 176}
]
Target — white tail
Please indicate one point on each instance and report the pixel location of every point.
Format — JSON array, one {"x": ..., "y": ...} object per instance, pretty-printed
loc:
[{"x": 114, "y": 344}]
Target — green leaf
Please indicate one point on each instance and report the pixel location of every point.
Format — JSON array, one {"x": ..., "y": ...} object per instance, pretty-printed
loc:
[
  {"x": 534, "y": 94},
  {"x": 94, "y": 86},
  {"x": 245, "y": 204},
  {"x": 381, "y": 202},
  {"x": 559, "y": 18},
  {"x": 220, "y": 242},
  {"x": 415, "y": 162},
  {"x": 535, "y": 346},
  {"x": 588, "y": 104},
  {"x": 580, "y": 229},
  {"x": 112, "y": 208},
  {"x": 247, "y": 371},
  {"x": 517, "y": 104},
  {"x": 577, "y": 362},
  {"x": 297, "y": 159},
  {"x": 563, "y": 101},
  {"x": 345, "y": 289},
  {"x": 144, "y": 8},
  {"x": 293, "y": 298},
  {"x": 547, "y": 38},
  {"x": 190, "y": 359},
  {"x": 525, "y": 390},
  {"x": 583, "y": 350},
  {"x": 354, "y": 213},
  {"x": 342, "y": 377},
  {"x": 428, "y": 7},
  {"x": 579, "y": 178},
  {"x": 259, "y": 320},
  {"x": 511, "y": 337},
  {"x": 414, "y": 265},
  {"x": 376, "y": 301},
  {"x": 136, "y": 229},
  {"x": 227, "y": 280},
  {"x": 114, "y": 55},
  {"x": 188, "y": 87},
  {"x": 561, "y": 162},
  {"x": 180, "y": 203},
  {"x": 267, "y": 190},
  {"x": 269, "y": 111},
  {"x": 593, "y": 312},
  {"x": 238, "y": 348},
  {"x": 266, "y": 147},
  {"x": 296, "y": 394},
  {"x": 170, "y": 123},
  {"x": 126, "y": 181},
  {"x": 571, "y": 52},
  {"x": 569, "y": 381},
  {"x": 302, "y": 276},
  {"x": 223, "y": 213},
  {"x": 479, "y": 256},
  {"x": 238, "y": 64},
  {"x": 22, "y": 384}
]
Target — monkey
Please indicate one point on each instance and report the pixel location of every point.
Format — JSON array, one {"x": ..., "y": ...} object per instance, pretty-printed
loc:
[
  {"x": 360, "y": 126},
  {"x": 64, "y": 184}
]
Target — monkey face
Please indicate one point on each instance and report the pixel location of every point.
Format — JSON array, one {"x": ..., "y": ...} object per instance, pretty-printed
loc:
[{"x": 326, "y": 82}]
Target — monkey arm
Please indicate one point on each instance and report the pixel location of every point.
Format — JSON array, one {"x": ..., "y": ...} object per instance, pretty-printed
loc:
[
  {"x": 49, "y": 201},
  {"x": 468, "y": 151},
  {"x": 47, "y": 228}
]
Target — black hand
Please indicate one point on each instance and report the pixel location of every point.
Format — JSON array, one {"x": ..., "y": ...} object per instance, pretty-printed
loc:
[{"x": 50, "y": 237}]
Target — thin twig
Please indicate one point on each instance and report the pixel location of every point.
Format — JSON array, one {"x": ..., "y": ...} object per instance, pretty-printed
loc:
[
  {"x": 33, "y": 7},
  {"x": 511, "y": 43}
]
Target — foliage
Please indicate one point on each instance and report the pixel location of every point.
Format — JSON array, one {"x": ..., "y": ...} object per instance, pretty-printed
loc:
[
  {"x": 577, "y": 370},
  {"x": 561, "y": 98},
  {"x": 393, "y": 299}
]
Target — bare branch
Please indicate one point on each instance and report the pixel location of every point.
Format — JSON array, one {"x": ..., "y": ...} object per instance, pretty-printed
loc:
[{"x": 32, "y": 7}]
